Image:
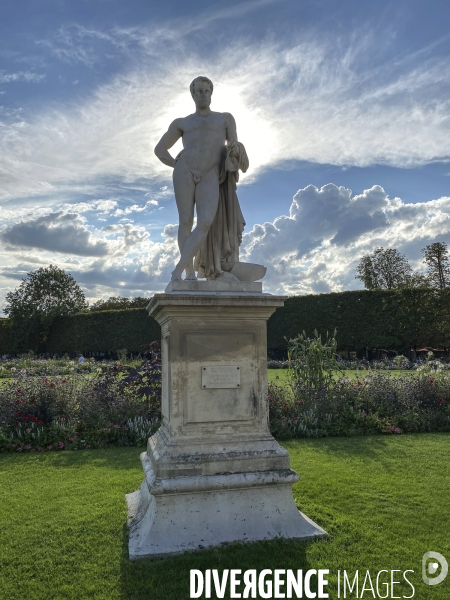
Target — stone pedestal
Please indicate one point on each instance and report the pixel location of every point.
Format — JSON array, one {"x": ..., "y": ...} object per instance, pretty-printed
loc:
[{"x": 213, "y": 473}]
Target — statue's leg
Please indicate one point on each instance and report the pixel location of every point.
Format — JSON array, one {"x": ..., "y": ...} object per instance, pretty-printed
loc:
[
  {"x": 206, "y": 199},
  {"x": 184, "y": 188}
]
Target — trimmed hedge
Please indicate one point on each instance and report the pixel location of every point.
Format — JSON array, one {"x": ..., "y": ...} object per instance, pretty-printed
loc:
[
  {"x": 364, "y": 319},
  {"x": 104, "y": 331},
  {"x": 395, "y": 319}
]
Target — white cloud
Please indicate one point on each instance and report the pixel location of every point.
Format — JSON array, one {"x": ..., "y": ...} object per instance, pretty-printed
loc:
[
  {"x": 334, "y": 99},
  {"x": 317, "y": 246},
  {"x": 102, "y": 207},
  {"x": 27, "y": 76},
  {"x": 133, "y": 265},
  {"x": 55, "y": 232},
  {"x": 135, "y": 208},
  {"x": 314, "y": 99},
  {"x": 313, "y": 248}
]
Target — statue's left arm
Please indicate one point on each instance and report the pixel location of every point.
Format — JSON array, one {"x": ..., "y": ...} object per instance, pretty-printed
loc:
[
  {"x": 231, "y": 129},
  {"x": 236, "y": 155}
]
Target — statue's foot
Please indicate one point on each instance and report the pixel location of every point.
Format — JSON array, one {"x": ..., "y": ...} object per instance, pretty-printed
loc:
[
  {"x": 191, "y": 277},
  {"x": 224, "y": 276},
  {"x": 175, "y": 276}
]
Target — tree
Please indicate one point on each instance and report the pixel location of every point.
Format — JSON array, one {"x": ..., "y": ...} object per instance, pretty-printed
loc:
[
  {"x": 414, "y": 281},
  {"x": 437, "y": 258},
  {"x": 384, "y": 270},
  {"x": 43, "y": 296},
  {"x": 119, "y": 303}
]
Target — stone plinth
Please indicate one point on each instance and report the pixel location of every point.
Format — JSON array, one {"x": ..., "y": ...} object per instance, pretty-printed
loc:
[
  {"x": 219, "y": 286},
  {"x": 213, "y": 473}
]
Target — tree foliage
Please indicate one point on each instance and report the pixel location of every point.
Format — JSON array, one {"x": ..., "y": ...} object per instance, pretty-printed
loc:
[
  {"x": 119, "y": 303},
  {"x": 385, "y": 269},
  {"x": 45, "y": 294},
  {"x": 437, "y": 258}
]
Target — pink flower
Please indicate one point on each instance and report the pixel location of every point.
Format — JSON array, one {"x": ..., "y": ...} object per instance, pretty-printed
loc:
[{"x": 49, "y": 447}]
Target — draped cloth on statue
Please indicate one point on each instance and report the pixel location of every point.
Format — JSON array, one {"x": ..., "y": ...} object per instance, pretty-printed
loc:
[{"x": 225, "y": 234}]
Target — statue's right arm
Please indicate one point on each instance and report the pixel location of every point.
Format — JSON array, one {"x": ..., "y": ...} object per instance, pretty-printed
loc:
[{"x": 171, "y": 136}]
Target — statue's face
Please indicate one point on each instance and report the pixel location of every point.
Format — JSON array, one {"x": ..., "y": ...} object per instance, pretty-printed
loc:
[{"x": 202, "y": 94}]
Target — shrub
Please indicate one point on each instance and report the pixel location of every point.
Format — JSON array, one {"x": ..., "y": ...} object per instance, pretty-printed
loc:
[{"x": 312, "y": 361}]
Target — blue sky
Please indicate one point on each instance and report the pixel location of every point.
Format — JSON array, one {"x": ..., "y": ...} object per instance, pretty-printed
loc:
[{"x": 343, "y": 107}]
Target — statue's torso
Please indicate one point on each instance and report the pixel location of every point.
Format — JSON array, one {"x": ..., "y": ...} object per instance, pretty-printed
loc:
[{"x": 203, "y": 140}]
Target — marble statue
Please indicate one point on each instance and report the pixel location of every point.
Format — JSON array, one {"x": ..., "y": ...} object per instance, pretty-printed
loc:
[
  {"x": 205, "y": 174},
  {"x": 213, "y": 473}
]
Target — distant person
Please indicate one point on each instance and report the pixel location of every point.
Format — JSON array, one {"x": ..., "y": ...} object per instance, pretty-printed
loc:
[{"x": 81, "y": 359}]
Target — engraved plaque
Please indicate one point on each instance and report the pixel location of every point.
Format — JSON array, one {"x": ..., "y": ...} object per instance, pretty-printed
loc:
[{"x": 221, "y": 377}]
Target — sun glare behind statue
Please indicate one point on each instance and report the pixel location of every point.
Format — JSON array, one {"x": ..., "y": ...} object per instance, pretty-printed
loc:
[{"x": 254, "y": 131}]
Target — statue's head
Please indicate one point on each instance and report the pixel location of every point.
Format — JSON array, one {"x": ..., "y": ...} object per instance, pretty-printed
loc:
[{"x": 201, "y": 90}]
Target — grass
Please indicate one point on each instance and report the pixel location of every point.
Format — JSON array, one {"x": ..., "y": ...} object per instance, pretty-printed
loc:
[
  {"x": 281, "y": 375},
  {"x": 271, "y": 374},
  {"x": 383, "y": 500}
]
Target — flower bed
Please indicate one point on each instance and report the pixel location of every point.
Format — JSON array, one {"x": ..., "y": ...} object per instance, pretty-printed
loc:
[
  {"x": 376, "y": 403},
  {"x": 120, "y": 406},
  {"x": 54, "y": 367}
]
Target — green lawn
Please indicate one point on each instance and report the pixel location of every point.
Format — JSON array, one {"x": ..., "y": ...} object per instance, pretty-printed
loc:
[
  {"x": 383, "y": 500},
  {"x": 281, "y": 375}
]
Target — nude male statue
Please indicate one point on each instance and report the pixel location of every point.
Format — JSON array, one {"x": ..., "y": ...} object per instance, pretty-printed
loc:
[{"x": 196, "y": 169}]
